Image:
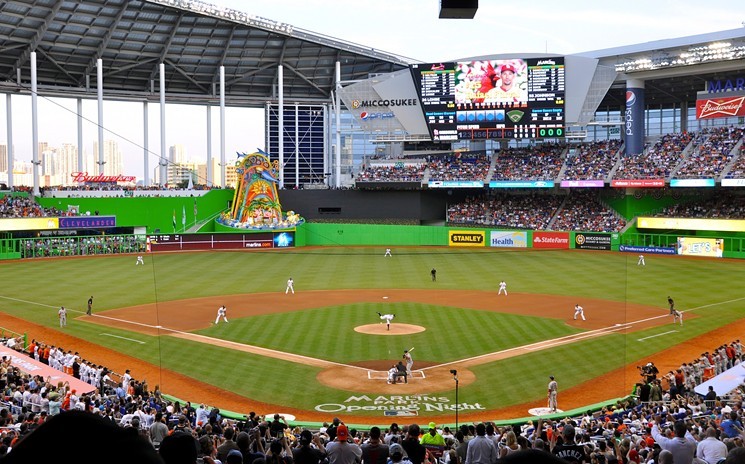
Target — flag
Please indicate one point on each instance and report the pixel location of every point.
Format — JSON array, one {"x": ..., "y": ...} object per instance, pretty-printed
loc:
[
  {"x": 183, "y": 216},
  {"x": 174, "y": 219}
]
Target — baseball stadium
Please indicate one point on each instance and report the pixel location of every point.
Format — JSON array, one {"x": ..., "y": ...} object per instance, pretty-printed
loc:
[{"x": 612, "y": 188}]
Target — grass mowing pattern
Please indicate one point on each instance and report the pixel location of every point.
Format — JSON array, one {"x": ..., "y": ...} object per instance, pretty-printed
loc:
[{"x": 453, "y": 333}]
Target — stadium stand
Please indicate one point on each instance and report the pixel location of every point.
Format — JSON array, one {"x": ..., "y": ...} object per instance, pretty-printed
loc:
[
  {"x": 541, "y": 162},
  {"x": 593, "y": 160},
  {"x": 658, "y": 161}
]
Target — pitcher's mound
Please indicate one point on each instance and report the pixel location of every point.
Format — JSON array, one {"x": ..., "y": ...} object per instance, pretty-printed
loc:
[{"x": 396, "y": 329}]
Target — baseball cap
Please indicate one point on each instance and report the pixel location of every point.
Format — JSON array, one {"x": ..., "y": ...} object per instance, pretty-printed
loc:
[
  {"x": 234, "y": 456},
  {"x": 396, "y": 448},
  {"x": 432, "y": 425},
  {"x": 342, "y": 433},
  {"x": 507, "y": 67}
]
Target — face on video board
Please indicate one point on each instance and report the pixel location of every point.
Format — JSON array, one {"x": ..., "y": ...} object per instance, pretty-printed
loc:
[{"x": 491, "y": 83}]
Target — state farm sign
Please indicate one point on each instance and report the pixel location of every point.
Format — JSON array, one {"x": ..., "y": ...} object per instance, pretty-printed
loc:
[
  {"x": 550, "y": 239},
  {"x": 720, "y": 107}
]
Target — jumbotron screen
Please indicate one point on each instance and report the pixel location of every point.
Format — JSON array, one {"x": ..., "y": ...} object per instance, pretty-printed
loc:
[{"x": 492, "y": 99}]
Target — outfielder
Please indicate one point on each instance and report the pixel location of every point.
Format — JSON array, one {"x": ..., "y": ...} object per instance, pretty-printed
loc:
[
  {"x": 387, "y": 318},
  {"x": 502, "y": 288},
  {"x": 222, "y": 312},
  {"x": 62, "y": 316},
  {"x": 579, "y": 311},
  {"x": 139, "y": 261},
  {"x": 387, "y": 252},
  {"x": 641, "y": 261}
]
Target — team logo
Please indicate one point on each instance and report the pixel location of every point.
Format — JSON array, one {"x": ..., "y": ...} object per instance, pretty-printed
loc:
[
  {"x": 630, "y": 98},
  {"x": 356, "y": 104},
  {"x": 515, "y": 115}
]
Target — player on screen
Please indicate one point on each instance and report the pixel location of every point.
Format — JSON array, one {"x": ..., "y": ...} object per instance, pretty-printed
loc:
[{"x": 507, "y": 89}]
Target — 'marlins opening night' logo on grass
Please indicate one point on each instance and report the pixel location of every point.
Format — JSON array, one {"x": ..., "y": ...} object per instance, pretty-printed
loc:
[{"x": 421, "y": 403}]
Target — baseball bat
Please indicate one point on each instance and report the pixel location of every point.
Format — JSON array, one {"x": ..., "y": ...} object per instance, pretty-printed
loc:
[{"x": 411, "y": 349}]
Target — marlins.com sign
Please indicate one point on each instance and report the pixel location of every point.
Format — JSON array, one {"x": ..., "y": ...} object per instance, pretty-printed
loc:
[{"x": 466, "y": 238}]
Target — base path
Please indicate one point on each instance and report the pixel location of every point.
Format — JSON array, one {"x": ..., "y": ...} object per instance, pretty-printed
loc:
[{"x": 187, "y": 315}]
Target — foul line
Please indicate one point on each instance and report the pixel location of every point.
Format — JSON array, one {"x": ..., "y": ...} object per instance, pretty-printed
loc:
[
  {"x": 300, "y": 359},
  {"x": 658, "y": 335},
  {"x": 123, "y": 338}
]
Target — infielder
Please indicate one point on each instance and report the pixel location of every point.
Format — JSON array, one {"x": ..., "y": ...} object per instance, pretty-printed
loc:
[
  {"x": 387, "y": 318},
  {"x": 579, "y": 311},
  {"x": 222, "y": 312},
  {"x": 641, "y": 261},
  {"x": 139, "y": 261},
  {"x": 290, "y": 286},
  {"x": 553, "y": 390},
  {"x": 408, "y": 361},
  {"x": 502, "y": 288},
  {"x": 62, "y": 316}
]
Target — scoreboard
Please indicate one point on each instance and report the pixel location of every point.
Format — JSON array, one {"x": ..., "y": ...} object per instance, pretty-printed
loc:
[{"x": 492, "y": 99}]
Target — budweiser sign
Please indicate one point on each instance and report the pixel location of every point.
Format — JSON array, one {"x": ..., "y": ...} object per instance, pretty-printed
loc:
[
  {"x": 84, "y": 177},
  {"x": 720, "y": 107}
]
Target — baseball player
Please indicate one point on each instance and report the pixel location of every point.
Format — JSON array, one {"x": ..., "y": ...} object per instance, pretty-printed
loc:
[
  {"x": 671, "y": 304},
  {"x": 62, "y": 316},
  {"x": 222, "y": 312},
  {"x": 290, "y": 286},
  {"x": 139, "y": 261},
  {"x": 579, "y": 311},
  {"x": 387, "y": 318},
  {"x": 408, "y": 361},
  {"x": 553, "y": 390},
  {"x": 90, "y": 306},
  {"x": 641, "y": 261},
  {"x": 387, "y": 252},
  {"x": 502, "y": 288}
]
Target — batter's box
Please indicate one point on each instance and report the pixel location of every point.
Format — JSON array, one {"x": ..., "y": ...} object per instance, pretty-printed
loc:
[{"x": 383, "y": 375}]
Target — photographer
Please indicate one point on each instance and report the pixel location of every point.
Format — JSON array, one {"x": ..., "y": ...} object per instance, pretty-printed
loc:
[
  {"x": 310, "y": 449},
  {"x": 277, "y": 426}
]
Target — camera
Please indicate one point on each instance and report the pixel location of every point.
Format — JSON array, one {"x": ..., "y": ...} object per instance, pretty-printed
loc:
[{"x": 453, "y": 371}]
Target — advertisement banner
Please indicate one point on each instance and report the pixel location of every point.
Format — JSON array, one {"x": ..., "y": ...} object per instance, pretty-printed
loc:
[
  {"x": 722, "y": 225},
  {"x": 466, "y": 238},
  {"x": 733, "y": 182},
  {"x": 691, "y": 182},
  {"x": 720, "y": 107},
  {"x": 695, "y": 246},
  {"x": 508, "y": 239},
  {"x": 634, "y": 121},
  {"x": 521, "y": 184},
  {"x": 550, "y": 239},
  {"x": 631, "y": 183},
  {"x": 646, "y": 249},
  {"x": 188, "y": 242},
  {"x": 40, "y": 223},
  {"x": 594, "y": 241},
  {"x": 582, "y": 183},
  {"x": 87, "y": 222},
  {"x": 456, "y": 184}
]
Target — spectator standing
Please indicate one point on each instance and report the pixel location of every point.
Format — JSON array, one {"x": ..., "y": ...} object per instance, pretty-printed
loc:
[
  {"x": 341, "y": 451},
  {"x": 682, "y": 445},
  {"x": 375, "y": 451},
  {"x": 481, "y": 450},
  {"x": 710, "y": 449},
  {"x": 304, "y": 453},
  {"x": 414, "y": 450}
]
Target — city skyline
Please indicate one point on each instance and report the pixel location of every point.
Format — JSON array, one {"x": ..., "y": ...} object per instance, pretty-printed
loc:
[{"x": 412, "y": 29}]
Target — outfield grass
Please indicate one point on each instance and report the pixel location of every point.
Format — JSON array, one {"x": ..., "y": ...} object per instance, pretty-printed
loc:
[{"x": 35, "y": 289}]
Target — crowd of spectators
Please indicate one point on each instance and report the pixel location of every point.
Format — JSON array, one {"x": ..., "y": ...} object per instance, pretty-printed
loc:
[
  {"x": 658, "y": 161},
  {"x": 398, "y": 172},
  {"x": 737, "y": 171},
  {"x": 459, "y": 166},
  {"x": 12, "y": 206},
  {"x": 712, "y": 151},
  {"x": 541, "y": 162},
  {"x": 81, "y": 246},
  {"x": 583, "y": 211},
  {"x": 592, "y": 160},
  {"x": 529, "y": 211},
  {"x": 664, "y": 416},
  {"x": 725, "y": 204}
]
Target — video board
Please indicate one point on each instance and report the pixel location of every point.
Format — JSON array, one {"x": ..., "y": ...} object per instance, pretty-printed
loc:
[{"x": 492, "y": 99}]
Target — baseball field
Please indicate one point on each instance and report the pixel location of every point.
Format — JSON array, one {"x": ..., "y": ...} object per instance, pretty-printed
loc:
[{"x": 323, "y": 352}]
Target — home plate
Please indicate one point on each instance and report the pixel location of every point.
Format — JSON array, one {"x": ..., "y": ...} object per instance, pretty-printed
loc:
[{"x": 543, "y": 411}]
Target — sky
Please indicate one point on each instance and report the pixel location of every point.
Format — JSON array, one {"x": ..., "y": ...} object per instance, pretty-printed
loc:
[{"x": 410, "y": 28}]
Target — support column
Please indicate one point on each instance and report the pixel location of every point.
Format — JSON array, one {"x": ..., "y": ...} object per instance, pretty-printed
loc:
[
  {"x": 209, "y": 178},
  {"x": 145, "y": 144},
  {"x": 80, "y": 135},
  {"x": 163, "y": 163},
  {"x": 634, "y": 117},
  {"x": 34, "y": 126},
  {"x": 337, "y": 103},
  {"x": 222, "y": 127},
  {"x": 297, "y": 146},
  {"x": 9, "y": 128},
  {"x": 99, "y": 87},
  {"x": 281, "y": 124}
]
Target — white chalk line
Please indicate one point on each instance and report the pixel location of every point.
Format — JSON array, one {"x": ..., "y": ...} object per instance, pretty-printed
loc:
[{"x": 658, "y": 335}]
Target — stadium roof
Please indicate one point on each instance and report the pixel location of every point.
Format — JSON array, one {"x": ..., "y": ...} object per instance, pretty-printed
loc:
[{"x": 192, "y": 38}]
